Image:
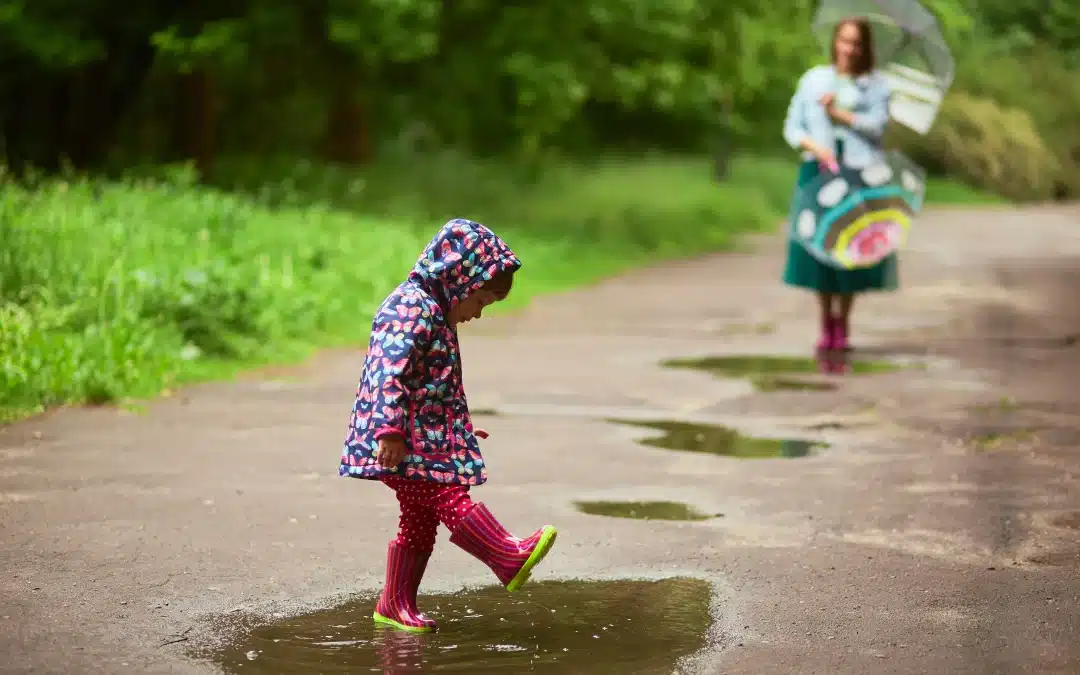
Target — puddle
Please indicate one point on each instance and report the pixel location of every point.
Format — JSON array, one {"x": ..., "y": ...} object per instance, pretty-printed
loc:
[
  {"x": 993, "y": 440},
  {"x": 585, "y": 628},
  {"x": 644, "y": 510},
  {"x": 1005, "y": 404},
  {"x": 774, "y": 373},
  {"x": 718, "y": 440},
  {"x": 767, "y": 383}
]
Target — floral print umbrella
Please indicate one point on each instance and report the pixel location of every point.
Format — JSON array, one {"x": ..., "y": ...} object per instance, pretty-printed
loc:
[{"x": 856, "y": 217}]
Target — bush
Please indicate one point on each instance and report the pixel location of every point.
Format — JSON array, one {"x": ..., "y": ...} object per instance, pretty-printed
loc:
[
  {"x": 1039, "y": 81},
  {"x": 112, "y": 290},
  {"x": 987, "y": 145}
]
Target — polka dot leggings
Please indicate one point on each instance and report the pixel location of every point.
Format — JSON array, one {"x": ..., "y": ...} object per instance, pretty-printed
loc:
[{"x": 423, "y": 506}]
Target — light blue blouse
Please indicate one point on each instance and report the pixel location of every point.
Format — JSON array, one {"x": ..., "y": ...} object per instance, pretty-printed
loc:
[{"x": 807, "y": 117}]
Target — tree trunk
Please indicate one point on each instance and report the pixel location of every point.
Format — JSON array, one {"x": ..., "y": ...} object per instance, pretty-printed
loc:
[
  {"x": 348, "y": 133},
  {"x": 33, "y": 123},
  {"x": 74, "y": 114},
  {"x": 196, "y": 120}
]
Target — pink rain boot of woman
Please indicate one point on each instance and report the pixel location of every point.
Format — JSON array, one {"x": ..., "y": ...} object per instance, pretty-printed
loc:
[
  {"x": 828, "y": 335},
  {"x": 840, "y": 336},
  {"x": 510, "y": 558}
]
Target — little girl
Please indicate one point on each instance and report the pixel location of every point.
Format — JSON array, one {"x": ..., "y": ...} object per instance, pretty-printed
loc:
[{"x": 410, "y": 427}]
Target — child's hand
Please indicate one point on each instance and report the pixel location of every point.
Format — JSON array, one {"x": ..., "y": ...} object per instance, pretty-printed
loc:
[
  {"x": 391, "y": 451},
  {"x": 480, "y": 433}
]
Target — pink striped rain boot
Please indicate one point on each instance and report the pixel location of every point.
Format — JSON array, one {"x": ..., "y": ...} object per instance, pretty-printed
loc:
[
  {"x": 414, "y": 588},
  {"x": 510, "y": 558},
  {"x": 397, "y": 605},
  {"x": 828, "y": 333}
]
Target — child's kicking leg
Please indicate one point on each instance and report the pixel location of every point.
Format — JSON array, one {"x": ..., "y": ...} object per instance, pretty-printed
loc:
[
  {"x": 472, "y": 527},
  {"x": 407, "y": 558},
  {"x": 475, "y": 529}
]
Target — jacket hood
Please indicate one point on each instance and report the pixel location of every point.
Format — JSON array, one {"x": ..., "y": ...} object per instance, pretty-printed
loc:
[{"x": 459, "y": 259}]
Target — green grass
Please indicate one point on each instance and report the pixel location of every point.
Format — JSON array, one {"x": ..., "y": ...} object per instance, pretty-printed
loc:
[
  {"x": 117, "y": 291},
  {"x": 940, "y": 192}
]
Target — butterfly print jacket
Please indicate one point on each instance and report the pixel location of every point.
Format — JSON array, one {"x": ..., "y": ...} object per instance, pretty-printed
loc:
[{"x": 411, "y": 383}]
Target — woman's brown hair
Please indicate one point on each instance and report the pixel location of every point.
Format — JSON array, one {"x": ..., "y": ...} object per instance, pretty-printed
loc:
[{"x": 865, "y": 63}]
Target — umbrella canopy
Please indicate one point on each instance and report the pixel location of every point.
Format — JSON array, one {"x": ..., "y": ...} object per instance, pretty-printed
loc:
[
  {"x": 906, "y": 34},
  {"x": 855, "y": 217}
]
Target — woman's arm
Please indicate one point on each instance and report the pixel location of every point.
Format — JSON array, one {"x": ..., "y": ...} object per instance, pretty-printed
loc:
[
  {"x": 871, "y": 123},
  {"x": 795, "y": 122}
]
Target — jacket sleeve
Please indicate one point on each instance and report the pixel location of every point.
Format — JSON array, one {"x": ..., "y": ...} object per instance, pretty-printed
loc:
[
  {"x": 400, "y": 338},
  {"x": 872, "y": 123},
  {"x": 795, "y": 121}
]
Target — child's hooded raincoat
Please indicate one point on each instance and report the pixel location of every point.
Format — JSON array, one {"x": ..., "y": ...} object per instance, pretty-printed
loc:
[{"x": 412, "y": 384}]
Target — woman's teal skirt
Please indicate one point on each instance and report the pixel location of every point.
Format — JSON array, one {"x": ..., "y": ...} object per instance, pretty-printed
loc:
[{"x": 805, "y": 271}]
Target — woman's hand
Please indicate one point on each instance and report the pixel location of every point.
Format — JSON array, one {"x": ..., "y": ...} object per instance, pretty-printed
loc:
[
  {"x": 836, "y": 114},
  {"x": 826, "y": 158}
]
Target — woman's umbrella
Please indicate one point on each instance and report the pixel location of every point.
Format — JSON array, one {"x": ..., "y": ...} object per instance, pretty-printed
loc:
[
  {"x": 908, "y": 46},
  {"x": 856, "y": 217}
]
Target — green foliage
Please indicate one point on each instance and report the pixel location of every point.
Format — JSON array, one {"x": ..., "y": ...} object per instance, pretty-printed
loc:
[
  {"x": 942, "y": 191},
  {"x": 1039, "y": 82},
  {"x": 1053, "y": 24},
  {"x": 220, "y": 42},
  {"x": 983, "y": 143},
  {"x": 467, "y": 69},
  {"x": 957, "y": 23},
  {"x": 498, "y": 79},
  {"x": 47, "y": 34},
  {"x": 371, "y": 32},
  {"x": 112, "y": 290}
]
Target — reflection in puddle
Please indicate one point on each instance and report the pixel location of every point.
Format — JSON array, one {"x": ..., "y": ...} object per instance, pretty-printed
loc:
[
  {"x": 718, "y": 440},
  {"x": 644, "y": 510},
  {"x": 992, "y": 440},
  {"x": 586, "y": 628},
  {"x": 768, "y": 383},
  {"x": 773, "y": 373}
]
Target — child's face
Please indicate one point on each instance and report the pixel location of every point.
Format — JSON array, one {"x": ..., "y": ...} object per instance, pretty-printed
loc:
[{"x": 472, "y": 307}]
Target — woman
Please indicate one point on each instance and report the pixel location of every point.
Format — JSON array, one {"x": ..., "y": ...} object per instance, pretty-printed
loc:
[{"x": 838, "y": 114}]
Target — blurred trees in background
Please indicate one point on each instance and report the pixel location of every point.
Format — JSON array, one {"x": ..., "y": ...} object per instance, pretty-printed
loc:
[
  {"x": 101, "y": 84},
  {"x": 338, "y": 128}
]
